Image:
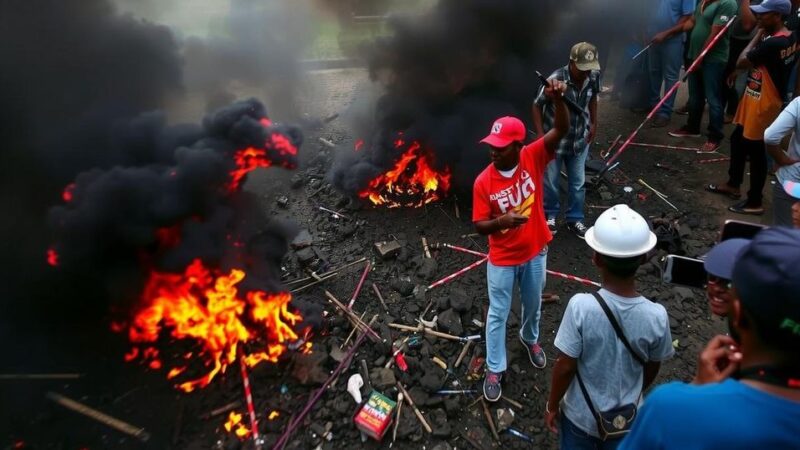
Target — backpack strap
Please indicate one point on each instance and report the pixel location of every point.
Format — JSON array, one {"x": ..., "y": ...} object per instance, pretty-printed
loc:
[{"x": 617, "y": 328}]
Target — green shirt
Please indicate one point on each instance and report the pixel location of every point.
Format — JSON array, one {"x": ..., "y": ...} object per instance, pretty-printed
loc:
[{"x": 718, "y": 12}]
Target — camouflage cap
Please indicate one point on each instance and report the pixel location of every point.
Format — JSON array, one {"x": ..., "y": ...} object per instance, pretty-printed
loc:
[{"x": 585, "y": 56}]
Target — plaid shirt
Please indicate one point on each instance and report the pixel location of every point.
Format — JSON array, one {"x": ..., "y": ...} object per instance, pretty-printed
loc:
[{"x": 575, "y": 140}]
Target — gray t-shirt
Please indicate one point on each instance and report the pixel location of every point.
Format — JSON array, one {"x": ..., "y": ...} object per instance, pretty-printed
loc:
[{"x": 611, "y": 375}]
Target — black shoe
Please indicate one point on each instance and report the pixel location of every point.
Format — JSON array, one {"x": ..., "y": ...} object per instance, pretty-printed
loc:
[
  {"x": 492, "y": 389},
  {"x": 578, "y": 228},
  {"x": 744, "y": 208},
  {"x": 535, "y": 354}
]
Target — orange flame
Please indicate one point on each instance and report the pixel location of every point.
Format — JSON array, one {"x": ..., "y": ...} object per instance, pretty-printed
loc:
[
  {"x": 208, "y": 309},
  {"x": 234, "y": 423},
  {"x": 412, "y": 182},
  {"x": 251, "y": 158}
]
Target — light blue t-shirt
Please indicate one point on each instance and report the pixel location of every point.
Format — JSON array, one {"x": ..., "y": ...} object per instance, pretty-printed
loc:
[
  {"x": 666, "y": 14},
  {"x": 788, "y": 121},
  {"x": 611, "y": 375},
  {"x": 725, "y": 416}
]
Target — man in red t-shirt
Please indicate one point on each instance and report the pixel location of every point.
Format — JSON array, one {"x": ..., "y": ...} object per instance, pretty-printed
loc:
[{"x": 507, "y": 205}]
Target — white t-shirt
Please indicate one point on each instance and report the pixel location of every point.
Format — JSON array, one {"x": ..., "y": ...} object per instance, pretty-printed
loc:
[{"x": 611, "y": 375}]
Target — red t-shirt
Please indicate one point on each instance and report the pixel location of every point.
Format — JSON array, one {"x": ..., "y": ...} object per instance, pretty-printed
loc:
[{"x": 494, "y": 195}]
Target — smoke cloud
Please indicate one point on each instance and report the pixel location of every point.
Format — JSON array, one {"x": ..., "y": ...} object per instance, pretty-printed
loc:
[{"x": 444, "y": 76}]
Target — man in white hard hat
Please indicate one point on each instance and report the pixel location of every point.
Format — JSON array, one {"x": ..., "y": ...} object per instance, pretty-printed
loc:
[{"x": 611, "y": 343}]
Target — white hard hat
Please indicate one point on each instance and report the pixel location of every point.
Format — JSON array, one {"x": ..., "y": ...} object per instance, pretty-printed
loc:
[{"x": 620, "y": 232}]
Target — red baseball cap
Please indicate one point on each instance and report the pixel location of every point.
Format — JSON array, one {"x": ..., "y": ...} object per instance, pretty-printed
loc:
[{"x": 505, "y": 130}]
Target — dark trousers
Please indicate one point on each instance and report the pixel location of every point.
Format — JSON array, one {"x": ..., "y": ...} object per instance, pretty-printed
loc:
[
  {"x": 705, "y": 85},
  {"x": 741, "y": 149}
]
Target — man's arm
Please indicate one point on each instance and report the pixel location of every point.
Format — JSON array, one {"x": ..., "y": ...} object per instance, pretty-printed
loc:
[
  {"x": 669, "y": 32},
  {"x": 744, "y": 62},
  {"x": 651, "y": 369},
  {"x": 563, "y": 372},
  {"x": 507, "y": 220},
  {"x": 538, "y": 124},
  {"x": 781, "y": 127},
  {"x": 555, "y": 93},
  {"x": 747, "y": 19}
]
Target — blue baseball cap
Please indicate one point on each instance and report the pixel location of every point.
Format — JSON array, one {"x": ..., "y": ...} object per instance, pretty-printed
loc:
[
  {"x": 719, "y": 260},
  {"x": 792, "y": 188},
  {"x": 784, "y": 7},
  {"x": 766, "y": 277}
]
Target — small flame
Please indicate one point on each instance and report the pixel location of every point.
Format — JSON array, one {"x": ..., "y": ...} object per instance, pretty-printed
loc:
[
  {"x": 273, "y": 415},
  {"x": 52, "y": 257},
  {"x": 412, "y": 182},
  {"x": 251, "y": 158},
  {"x": 207, "y": 308},
  {"x": 234, "y": 424}
]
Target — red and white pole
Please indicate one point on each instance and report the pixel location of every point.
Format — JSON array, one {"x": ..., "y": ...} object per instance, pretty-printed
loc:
[{"x": 248, "y": 395}]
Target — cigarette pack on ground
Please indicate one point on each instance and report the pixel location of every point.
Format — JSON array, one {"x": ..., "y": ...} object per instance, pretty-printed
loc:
[{"x": 375, "y": 415}]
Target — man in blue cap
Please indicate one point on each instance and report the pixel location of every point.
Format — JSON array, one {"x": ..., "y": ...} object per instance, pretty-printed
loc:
[{"x": 746, "y": 393}]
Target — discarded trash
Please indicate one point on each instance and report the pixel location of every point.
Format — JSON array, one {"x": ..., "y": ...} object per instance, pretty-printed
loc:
[
  {"x": 354, "y": 384},
  {"x": 374, "y": 418},
  {"x": 519, "y": 434}
]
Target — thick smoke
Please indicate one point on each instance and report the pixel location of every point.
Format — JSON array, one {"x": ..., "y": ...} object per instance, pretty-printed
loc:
[
  {"x": 161, "y": 214},
  {"x": 446, "y": 75}
]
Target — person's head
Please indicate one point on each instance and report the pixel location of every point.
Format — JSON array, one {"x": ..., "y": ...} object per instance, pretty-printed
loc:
[
  {"x": 620, "y": 239},
  {"x": 793, "y": 189},
  {"x": 770, "y": 13},
  {"x": 582, "y": 61},
  {"x": 719, "y": 267},
  {"x": 765, "y": 317},
  {"x": 505, "y": 141}
]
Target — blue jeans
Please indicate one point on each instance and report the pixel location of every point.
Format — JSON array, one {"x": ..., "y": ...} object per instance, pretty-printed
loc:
[
  {"x": 570, "y": 437},
  {"x": 705, "y": 85},
  {"x": 664, "y": 61},
  {"x": 576, "y": 177},
  {"x": 529, "y": 277}
]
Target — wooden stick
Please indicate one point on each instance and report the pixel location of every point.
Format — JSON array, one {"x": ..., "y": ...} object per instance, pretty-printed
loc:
[
  {"x": 513, "y": 402},
  {"x": 328, "y": 273},
  {"x": 414, "y": 407},
  {"x": 489, "y": 419},
  {"x": 352, "y": 332},
  {"x": 462, "y": 354},
  {"x": 360, "y": 323},
  {"x": 421, "y": 329},
  {"x": 425, "y": 248},
  {"x": 221, "y": 410},
  {"x": 40, "y": 376},
  {"x": 380, "y": 297},
  {"x": 400, "y": 397},
  {"x": 119, "y": 425}
]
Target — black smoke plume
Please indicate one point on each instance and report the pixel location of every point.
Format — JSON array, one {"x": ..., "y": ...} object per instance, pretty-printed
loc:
[
  {"x": 176, "y": 204},
  {"x": 446, "y": 75}
]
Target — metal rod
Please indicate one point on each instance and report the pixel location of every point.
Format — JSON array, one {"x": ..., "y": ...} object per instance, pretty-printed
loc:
[
  {"x": 666, "y": 96},
  {"x": 664, "y": 146},
  {"x": 353, "y": 317},
  {"x": 119, "y": 425},
  {"x": 40, "y": 376},
  {"x": 352, "y": 332},
  {"x": 251, "y": 410},
  {"x": 335, "y": 213},
  {"x": 642, "y": 51},
  {"x": 221, "y": 410},
  {"x": 570, "y": 102},
  {"x": 659, "y": 195},
  {"x": 604, "y": 154}
]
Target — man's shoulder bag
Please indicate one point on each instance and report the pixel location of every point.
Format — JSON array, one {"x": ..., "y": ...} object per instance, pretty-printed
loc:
[{"x": 615, "y": 423}]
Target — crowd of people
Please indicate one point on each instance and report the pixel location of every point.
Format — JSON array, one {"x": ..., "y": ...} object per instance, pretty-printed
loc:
[{"x": 746, "y": 392}]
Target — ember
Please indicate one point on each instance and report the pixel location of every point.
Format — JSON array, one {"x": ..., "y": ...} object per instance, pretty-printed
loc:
[
  {"x": 52, "y": 257},
  {"x": 234, "y": 424},
  {"x": 412, "y": 182},
  {"x": 66, "y": 195},
  {"x": 207, "y": 308}
]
